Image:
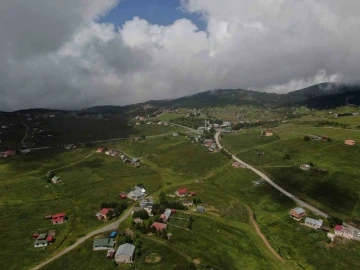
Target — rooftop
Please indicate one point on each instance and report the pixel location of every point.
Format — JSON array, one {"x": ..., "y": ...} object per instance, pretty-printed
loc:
[{"x": 126, "y": 249}]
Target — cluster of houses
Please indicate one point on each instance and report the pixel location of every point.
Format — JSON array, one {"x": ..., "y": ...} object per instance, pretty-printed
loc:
[
  {"x": 299, "y": 213},
  {"x": 124, "y": 253},
  {"x": 211, "y": 145},
  {"x": 183, "y": 193},
  {"x": 44, "y": 239},
  {"x": 125, "y": 159}
]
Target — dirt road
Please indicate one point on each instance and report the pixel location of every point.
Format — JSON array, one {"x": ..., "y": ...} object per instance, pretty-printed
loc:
[{"x": 259, "y": 233}]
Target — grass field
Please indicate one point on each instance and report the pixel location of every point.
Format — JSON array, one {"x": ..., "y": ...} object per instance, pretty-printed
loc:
[
  {"x": 221, "y": 238},
  {"x": 336, "y": 191},
  {"x": 26, "y": 199},
  {"x": 169, "y": 116}
]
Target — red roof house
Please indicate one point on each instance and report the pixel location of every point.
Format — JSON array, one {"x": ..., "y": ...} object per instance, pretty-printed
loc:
[
  {"x": 350, "y": 142},
  {"x": 159, "y": 226},
  {"x": 58, "y": 218},
  {"x": 123, "y": 195},
  {"x": 9, "y": 153},
  {"x": 49, "y": 239},
  {"x": 173, "y": 210},
  {"x": 182, "y": 192},
  {"x": 103, "y": 213}
]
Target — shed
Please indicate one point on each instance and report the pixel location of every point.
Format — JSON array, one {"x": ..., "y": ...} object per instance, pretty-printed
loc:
[{"x": 200, "y": 209}]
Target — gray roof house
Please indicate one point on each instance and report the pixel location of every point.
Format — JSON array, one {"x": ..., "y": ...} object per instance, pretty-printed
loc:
[
  {"x": 103, "y": 243},
  {"x": 313, "y": 223},
  {"x": 137, "y": 193},
  {"x": 166, "y": 215},
  {"x": 125, "y": 253},
  {"x": 200, "y": 209}
]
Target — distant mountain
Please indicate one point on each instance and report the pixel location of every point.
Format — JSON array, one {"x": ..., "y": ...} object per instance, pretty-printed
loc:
[{"x": 325, "y": 95}]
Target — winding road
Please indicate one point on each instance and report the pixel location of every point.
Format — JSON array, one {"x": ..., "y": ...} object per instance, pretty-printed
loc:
[
  {"x": 26, "y": 133},
  {"x": 267, "y": 179},
  {"x": 112, "y": 226}
]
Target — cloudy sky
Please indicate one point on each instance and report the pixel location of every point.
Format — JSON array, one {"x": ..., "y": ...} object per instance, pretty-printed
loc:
[{"x": 79, "y": 53}]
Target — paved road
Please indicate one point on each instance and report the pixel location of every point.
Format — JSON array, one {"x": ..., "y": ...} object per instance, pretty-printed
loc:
[
  {"x": 267, "y": 179},
  {"x": 112, "y": 226}
]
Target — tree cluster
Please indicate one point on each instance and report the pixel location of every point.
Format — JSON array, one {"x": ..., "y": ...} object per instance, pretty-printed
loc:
[{"x": 116, "y": 208}]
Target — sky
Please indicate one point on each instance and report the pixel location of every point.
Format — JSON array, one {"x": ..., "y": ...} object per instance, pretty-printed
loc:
[{"x": 73, "y": 54}]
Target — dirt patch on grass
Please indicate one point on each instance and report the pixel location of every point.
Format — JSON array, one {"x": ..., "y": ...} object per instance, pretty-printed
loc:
[
  {"x": 196, "y": 261},
  {"x": 152, "y": 258}
]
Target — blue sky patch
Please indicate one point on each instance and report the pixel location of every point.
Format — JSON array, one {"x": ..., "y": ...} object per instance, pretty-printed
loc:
[{"x": 162, "y": 12}]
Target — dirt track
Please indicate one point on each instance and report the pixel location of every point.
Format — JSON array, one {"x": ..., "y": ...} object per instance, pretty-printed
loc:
[{"x": 259, "y": 233}]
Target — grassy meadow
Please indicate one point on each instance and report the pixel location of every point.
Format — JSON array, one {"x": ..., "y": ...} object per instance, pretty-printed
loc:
[{"x": 334, "y": 190}]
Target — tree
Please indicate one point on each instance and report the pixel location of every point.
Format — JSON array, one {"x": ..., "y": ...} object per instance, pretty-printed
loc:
[
  {"x": 143, "y": 137},
  {"x": 329, "y": 139},
  {"x": 128, "y": 239},
  {"x": 311, "y": 164},
  {"x": 306, "y": 138}
]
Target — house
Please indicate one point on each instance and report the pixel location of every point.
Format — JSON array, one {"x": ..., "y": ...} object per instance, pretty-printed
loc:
[
  {"x": 147, "y": 203},
  {"x": 123, "y": 195},
  {"x": 103, "y": 213},
  {"x": 350, "y": 142},
  {"x": 226, "y": 129},
  {"x": 169, "y": 236},
  {"x": 187, "y": 203},
  {"x": 297, "y": 213},
  {"x": 175, "y": 134},
  {"x": 99, "y": 150},
  {"x": 226, "y": 124},
  {"x": 125, "y": 159},
  {"x": 137, "y": 193},
  {"x": 268, "y": 133},
  {"x": 181, "y": 192},
  {"x": 56, "y": 180},
  {"x": 200, "y": 209},
  {"x": 110, "y": 254},
  {"x": 115, "y": 153},
  {"x": 103, "y": 243},
  {"x": 136, "y": 162},
  {"x": 25, "y": 151},
  {"x": 313, "y": 223},
  {"x": 43, "y": 240},
  {"x": 343, "y": 231},
  {"x": 108, "y": 152},
  {"x": 59, "y": 218},
  {"x": 165, "y": 216},
  {"x": 159, "y": 226},
  {"x": 192, "y": 193},
  {"x": 305, "y": 167},
  {"x": 125, "y": 253},
  {"x": 9, "y": 153}
]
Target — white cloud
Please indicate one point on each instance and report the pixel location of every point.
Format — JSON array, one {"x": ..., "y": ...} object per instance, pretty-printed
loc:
[{"x": 55, "y": 54}]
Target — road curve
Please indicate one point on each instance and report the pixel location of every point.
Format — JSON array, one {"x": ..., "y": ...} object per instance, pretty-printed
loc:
[
  {"x": 112, "y": 226},
  {"x": 267, "y": 179}
]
